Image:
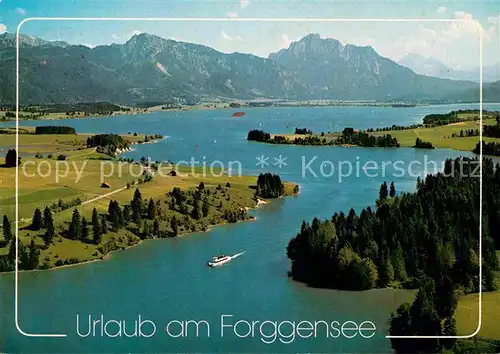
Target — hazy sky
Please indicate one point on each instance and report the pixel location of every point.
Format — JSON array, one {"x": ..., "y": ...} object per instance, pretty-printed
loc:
[{"x": 455, "y": 44}]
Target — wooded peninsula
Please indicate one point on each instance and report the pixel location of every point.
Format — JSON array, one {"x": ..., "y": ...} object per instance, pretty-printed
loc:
[
  {"x": 61, "y": 225},
  {"x": 457, "y": 130}
]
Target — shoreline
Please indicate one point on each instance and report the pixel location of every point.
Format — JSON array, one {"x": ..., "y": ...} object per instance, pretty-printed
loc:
[
  {"x": 376, "y": 147},
  {"x": 130, "y": 149},
  {"x": 359, "y": 146},
  {"x": 108, "y": 255},
  {"x": 320, "y": 145},
  {"x": 134, "y": 112},
  {"x": 204, "y": 107}
]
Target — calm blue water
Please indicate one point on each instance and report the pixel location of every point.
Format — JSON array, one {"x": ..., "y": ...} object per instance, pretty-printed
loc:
[{"x": 164, "y": 280}]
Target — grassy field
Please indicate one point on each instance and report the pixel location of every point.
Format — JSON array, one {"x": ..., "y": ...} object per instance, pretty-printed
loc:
[
  {"x": 440, "y": 136},
  {"x": 77, "y": 181},
  {"x": 467, "y": 315},
  {"x": 43, "y": 182},
  {"x": 38, "y": 192},
  {"x": 46, "y": 181},
  {"x": 67, "y": 144}
]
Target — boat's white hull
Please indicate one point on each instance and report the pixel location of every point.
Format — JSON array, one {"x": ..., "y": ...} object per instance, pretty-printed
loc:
[{"x": 217, "y": 264}]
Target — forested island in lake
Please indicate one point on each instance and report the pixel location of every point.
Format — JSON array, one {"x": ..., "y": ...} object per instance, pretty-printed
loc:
[
  {"x": 349, "y": 137},
  {"x": 457, "y": 130}
]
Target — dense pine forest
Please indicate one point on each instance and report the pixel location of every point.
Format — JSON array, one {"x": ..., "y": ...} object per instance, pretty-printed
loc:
[
  {"x": 54, "y": 129},
  {"x": 420, "y": 144},
  {"x": 349, "y": 137},
  {"x": 466, "y": 133},
  {"x": 408, "y": 236},
  {"x": 259, "y": 135},
  {"x": 263, "y": 137},
  {"x": 177, "y": 213},
  {"x": 492, "y": 131},
  {"x": 395, "y": 127},
  {"x": 352, "y": 137},
  {"x": 428, "y": 240},
  {"x": 103, "y": 140},
  {"x": 107, "y": 143},
  {"x": 269, "y": 186},
  {"x": 492, "y": 149},
  {"x": 304, "y": 131}
]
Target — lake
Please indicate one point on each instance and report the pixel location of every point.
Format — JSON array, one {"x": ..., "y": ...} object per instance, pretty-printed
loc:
[{"x": 165, "y": 280}]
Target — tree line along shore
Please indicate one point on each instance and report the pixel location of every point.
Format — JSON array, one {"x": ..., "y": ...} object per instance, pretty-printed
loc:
[
  {"x": 103, "y": 109},
  {"x": 45, "y": 241},
  {"x": 60, "y": 142},
  {"x": 457, "y": 130},
  {"x": 427, "y": 240},
  {"x": 67, "y": 222}
]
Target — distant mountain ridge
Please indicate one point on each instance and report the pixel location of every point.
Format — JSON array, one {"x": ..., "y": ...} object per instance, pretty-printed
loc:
[
  {"x": 151, "y": 68},
  {"x": 491, "y": 93},
  {"x": 433, "y": 67},
  {"x": 8, "y": 40},
  {"x": 324, "y": 63}
]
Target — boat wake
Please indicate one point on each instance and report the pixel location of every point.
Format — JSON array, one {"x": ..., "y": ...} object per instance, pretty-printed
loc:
[{"x": 236, "y": 255}]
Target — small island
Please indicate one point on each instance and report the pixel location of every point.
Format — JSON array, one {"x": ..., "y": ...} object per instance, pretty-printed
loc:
[
  {"x": 348, "y": 137},
  {"x": 457, "y": 130}
]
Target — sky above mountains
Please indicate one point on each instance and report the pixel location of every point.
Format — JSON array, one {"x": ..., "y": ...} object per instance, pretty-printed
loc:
[{"x": 456, "y": 44}]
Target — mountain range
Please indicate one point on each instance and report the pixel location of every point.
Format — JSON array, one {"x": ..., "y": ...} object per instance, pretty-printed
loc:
[
  {"x": 148, "y": 68},
  {"x": 433, "y": 67}
]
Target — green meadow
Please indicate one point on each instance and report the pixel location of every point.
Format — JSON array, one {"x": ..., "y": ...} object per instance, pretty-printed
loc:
[
  {"x": 442, "y": 137},
  {"x": 77, "y": 183},
  {"x": 467, "y": 315}
]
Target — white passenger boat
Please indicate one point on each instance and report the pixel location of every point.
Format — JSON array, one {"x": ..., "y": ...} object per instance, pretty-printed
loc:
[{"x": 219, "y": 260}]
